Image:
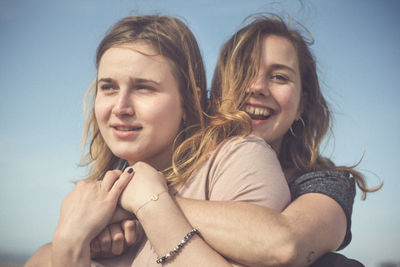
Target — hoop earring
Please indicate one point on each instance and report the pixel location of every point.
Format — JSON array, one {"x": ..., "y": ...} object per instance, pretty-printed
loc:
[{"x": 302, "y": 122}]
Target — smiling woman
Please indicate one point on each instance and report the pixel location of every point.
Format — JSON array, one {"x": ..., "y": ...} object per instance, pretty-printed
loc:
[{"x": 276, "y": 90}]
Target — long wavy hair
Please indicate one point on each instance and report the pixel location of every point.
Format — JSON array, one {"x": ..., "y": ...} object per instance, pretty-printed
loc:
[
  {"x": 237, "y": 67},
  {"x": 200, "y": 134}
]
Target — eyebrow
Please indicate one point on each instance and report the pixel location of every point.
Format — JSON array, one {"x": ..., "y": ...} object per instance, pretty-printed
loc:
[
  {"x": 281, "y": 66},
  {"x": 106, "y": 80},
  {"x": 133, "y": 80}
]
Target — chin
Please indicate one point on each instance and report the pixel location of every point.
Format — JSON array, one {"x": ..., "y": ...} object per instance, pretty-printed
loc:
[{"x": 125, "y": 155}]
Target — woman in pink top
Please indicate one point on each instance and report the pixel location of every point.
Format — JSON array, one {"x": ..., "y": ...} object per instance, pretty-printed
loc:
[{"x": 149, "y": 100}]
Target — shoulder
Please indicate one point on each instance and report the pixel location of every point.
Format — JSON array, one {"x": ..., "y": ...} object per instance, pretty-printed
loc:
[
  {"x": 250, "y": 144},
  {"x": 243, "y": 140},
  {"x": 249, "y": 155},
  {"x": 239, "y": 152},
  {"x": 247, "y": 169}
]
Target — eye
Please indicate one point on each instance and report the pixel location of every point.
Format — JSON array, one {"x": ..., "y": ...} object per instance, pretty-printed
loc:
[
  {"x": 145, "y": 87},
  {"x": 106, "y": 87},
  {"x": 280, "y": 78}
]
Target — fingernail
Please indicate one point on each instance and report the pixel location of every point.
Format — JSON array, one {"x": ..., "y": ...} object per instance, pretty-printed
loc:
[{"x": 130, "y": 170}]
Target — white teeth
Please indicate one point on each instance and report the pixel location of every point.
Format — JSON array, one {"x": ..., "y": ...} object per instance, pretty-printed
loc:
[
  {"x": 250, "y": 110},
  {"x": 257, "y": 111}
]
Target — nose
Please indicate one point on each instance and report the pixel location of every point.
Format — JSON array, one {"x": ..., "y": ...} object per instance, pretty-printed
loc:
[
  {"x": 124, "y": 105},
  {"x": 260, "y": 86}
]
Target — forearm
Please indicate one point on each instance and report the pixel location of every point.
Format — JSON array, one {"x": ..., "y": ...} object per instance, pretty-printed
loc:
[
  {"x": 41, "y": 258},
  {"x": 165, "y": 227},
  {"x": 247, "y": 233},
  {"x": 318, "y": 226},
  {"x": 48, "y": 256},
  {"x": 66, "y": 251},
  {"x": 309, "y": 227}
]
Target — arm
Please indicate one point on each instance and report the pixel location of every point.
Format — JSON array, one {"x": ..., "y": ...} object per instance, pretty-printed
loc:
[
  {"x": 245, "y": 170},
  {"x": 162, "y": 220},
  {"x": 122, "y": 233},
  {"x": 258, "y": 236},
  {"x": 312, "y": 225},
  {"x": 41, "y": 258}
]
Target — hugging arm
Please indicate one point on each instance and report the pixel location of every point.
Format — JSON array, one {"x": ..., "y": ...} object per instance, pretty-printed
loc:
[
  {"x": 256, "y": 236},
  {"x": 237, "y": 182},
  {"x": 313, "y": 224}
]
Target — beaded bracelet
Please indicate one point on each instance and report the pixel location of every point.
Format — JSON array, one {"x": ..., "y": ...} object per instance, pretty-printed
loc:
[{"x": 178, "y": 247}]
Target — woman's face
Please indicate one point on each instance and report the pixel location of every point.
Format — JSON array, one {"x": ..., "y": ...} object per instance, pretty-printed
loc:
[
  {"x": 138, "y": 104},
  {"x": 275, "y": 94}
]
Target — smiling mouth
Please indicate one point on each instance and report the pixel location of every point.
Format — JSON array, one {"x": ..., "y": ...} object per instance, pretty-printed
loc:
[{"x": 258, "y": 113}]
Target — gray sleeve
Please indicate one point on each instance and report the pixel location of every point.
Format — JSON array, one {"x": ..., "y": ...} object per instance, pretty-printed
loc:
[{"x": 335, "y": 184}]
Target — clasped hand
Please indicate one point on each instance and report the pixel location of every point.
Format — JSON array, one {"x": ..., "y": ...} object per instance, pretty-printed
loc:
[{"x": 90, "y": 213}]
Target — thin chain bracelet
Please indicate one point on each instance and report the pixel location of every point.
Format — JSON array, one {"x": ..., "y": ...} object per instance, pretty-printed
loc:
[
  {"x": 178, "y": 247},
  {"x": 154, "y": 197}
]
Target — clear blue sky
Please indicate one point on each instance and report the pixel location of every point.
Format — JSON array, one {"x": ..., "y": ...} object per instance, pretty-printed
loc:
[{"x": 47, "y": 53}]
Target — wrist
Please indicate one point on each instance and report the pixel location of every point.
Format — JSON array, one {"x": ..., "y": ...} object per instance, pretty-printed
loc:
[
  {"x": 153, "y": 198},
  {"x": 70, "y": 241},
  {"x": 153, "y": 203},
  {"x": 68, "y": 251}
]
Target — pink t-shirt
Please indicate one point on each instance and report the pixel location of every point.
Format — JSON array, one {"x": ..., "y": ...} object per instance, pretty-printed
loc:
[{"x": 240, "y": 169}]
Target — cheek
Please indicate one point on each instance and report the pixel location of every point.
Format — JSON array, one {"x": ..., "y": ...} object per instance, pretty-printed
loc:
[
  {"x": 166, "y": 113},
  {"x": 288, "y": 101},
  {"x": 102, "y": 111}
]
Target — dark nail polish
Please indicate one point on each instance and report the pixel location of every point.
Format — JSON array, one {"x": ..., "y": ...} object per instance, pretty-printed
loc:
[{"x": 130, "y": 170}]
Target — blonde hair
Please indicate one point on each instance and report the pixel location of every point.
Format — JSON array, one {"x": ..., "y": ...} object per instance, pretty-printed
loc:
[
  {"x": 201, "y": 134},
  {"x": 238, "y": 65}
]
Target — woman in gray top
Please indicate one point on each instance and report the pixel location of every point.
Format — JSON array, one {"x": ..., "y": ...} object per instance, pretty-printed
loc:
[{"x": 267, "y": 70}]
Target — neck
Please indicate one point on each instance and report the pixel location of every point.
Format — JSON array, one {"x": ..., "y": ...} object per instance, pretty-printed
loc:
[
  {"x": 276, "y": 146},
  {"x": 158, "y": 163}
]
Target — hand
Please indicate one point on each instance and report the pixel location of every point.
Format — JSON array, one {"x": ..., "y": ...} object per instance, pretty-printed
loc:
[
  {"x": 148, "y": 181},
  {"x": 114, "y": 240},
  {"x": 121, "y": 215},
  {"x": 88, "y": 208}
]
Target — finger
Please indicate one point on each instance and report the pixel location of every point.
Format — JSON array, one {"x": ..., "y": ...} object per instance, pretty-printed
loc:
[
  {"x": 117, "y": 237},
  {"x": 129, "y": 228},
  {"x": 120, "y": 215},
  {"x": 109, "y": 179},
  {"x": 122, "y": 182},
  {"x": 105, "y": 241},
  {"x": 94, "y": 248}
]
